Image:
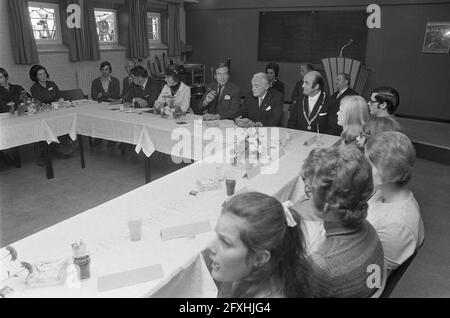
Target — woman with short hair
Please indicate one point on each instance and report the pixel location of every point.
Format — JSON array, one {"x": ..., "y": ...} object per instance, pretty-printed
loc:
[
  {"x": 393, "y": 210},
  {"x": 175, "y": 90},
  {"x": 352, "y": 115},
  {"x": 43, "y": 89},
  {"x": 259, "y": 250},
  {"x": 9, "y": 93},
  {"x": 340, "y": 184}
]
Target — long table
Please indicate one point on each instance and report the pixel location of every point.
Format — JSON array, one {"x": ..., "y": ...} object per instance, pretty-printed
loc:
[{"x": 166, "y": 202}]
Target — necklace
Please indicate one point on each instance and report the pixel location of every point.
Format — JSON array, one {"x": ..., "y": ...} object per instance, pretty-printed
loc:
[{"x": 309, "y": 122}]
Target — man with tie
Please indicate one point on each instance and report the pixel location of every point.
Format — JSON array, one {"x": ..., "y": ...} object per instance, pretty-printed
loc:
[
  {"x": 222, "y": 98},
  {"x": 314, "y": 110},
  {"x": 342, "y": 82},
  {"x": 145, "y": 91},
  {"x": 261, "y": 107}
]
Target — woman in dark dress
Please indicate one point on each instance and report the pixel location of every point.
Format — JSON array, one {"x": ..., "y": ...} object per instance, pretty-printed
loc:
[
  {"x": 47, "y": 92},
  {"x": 9, "y": 93},
  {"x": 105, "y": 88}
]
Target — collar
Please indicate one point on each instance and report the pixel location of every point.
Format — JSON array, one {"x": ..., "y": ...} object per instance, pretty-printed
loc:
[
  {"x": 145, "y": 83},
  {"x": 315, "y": 97},
  {"x": 262, "y": 97},
  {"x": 337, "y": 229},
  {"x": 342, "y": 92}
]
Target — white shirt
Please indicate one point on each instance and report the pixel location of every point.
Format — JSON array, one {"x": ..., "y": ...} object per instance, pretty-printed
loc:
[
  {"x": 260, "y": 99},
  {"x": 341, "y": 92},
  {"x": 145, "y": 83},
  {"x": 312, "y": 102},
  {"x": 182, "y": 97},
  {"x": 399, "y": 226}
]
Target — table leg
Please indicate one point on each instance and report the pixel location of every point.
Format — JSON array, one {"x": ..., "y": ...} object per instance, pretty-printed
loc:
[
  {"x": 48, "y": 160},
  {"x": 80, "y": 143},
  {"x": 148, "y": 169},
  {"x": 17, "y": 159}
]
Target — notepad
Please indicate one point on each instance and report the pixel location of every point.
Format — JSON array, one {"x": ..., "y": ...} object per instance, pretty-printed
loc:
[
  {"x": 187, "y": 230},
  {"x": 129, "y": 278}
]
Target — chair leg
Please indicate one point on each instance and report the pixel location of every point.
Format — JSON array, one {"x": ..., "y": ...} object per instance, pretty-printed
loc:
[{"x": 80, "y": 143}]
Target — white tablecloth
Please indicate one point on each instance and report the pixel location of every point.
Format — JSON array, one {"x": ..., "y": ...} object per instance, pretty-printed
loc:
[{"x": 165, "y": 202}]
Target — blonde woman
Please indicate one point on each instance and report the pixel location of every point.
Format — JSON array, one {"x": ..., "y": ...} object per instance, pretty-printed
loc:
[{"x": 353, "y": 113}]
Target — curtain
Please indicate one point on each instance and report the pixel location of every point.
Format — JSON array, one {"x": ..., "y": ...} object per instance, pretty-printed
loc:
[
  {"x": 83, "y": 42},
  {"x": 174, "y": 29},
  {"x": 22, "y": 39},
  {"x": 137, "y": 29}
]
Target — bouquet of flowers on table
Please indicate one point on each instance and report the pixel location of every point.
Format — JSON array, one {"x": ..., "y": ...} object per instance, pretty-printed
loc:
[
  {"x": 249, "y": 143},
  {"x": 168, "y": 107},
  {"x": 28, "y": 105}
]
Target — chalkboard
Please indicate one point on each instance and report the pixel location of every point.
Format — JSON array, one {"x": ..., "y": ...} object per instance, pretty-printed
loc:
[{"x": 299, "y": 36}]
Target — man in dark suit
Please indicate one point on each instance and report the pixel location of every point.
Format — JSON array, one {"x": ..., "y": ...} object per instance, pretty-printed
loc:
[
  {"x": 145, "y": 91},
  {"x": 342, "y": 82},
  {"x": 222, "y": 98},
  {"x": 262, "y": 106},
  {"x": 314, "y": 110},
  {"x": 128, "y": 80}
]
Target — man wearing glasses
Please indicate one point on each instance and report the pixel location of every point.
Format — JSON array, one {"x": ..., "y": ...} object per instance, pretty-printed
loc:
[{"x": 383, "y": 101}]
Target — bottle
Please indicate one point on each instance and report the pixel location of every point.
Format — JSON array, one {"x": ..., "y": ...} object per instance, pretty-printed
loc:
[{"x": 81, "y": 260}]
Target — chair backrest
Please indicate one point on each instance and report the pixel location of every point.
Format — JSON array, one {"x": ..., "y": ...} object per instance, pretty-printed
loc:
[
  {"x": 357, "y": 71},
  {"x": 73, "y": 94},
  {"x": 396, "y": 275}
]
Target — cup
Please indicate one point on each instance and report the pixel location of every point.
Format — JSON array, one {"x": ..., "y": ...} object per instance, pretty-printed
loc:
[
  {"x": 122, "y": 107},
  {"x": 231, "y": 185},
  {"x": 135, "y": 226}
]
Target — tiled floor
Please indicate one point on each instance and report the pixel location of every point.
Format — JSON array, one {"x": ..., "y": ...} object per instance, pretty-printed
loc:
[{"x": 30, "y": 203}]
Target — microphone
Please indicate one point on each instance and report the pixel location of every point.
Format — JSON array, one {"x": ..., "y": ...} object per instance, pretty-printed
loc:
[{"x": 347, "y": 44}]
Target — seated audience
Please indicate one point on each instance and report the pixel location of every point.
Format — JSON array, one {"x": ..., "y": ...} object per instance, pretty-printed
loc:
[
  {"x": 259, "y": 250},
  {"x": 128, "y": 80},
  {"x": 352, "y": 115},
  {"x": 262, "y": 107},
  {"x": 222, "y": 98},
  {"x": 340, "y": 180},
  {"x": 383, "y": 101},
  {"x": 43, "y": 89},
  {"x": 314, "y": 110},
  {"x": 9, "y": 93},
  {"x": 342, "y": 82},
  {"x": 105, "y": 88},
  {"x": 174, "y": 90},
  {"x": 298, "y": 89},
  {"x": 376, "y": 125},
  {"x": 145, "y": 91},
  {"x": 393, "y": 210},
  {"x": 272, "y": 71}
]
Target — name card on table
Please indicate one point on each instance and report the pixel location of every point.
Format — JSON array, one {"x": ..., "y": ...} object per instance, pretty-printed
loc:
[
  {"x": 187, "y": 230},
  {"x": 130, "y": 278}
]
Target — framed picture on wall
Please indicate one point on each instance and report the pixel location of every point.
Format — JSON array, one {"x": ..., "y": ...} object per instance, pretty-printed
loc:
[{"x": 437, "y": 38}]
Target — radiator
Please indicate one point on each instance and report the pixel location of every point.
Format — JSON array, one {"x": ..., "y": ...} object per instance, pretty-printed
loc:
[{"x": 85, "y": 78}]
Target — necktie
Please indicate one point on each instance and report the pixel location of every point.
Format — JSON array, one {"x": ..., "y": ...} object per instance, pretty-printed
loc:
[
  {"x": 259, "y": 101},
  {"x": 219, "y": 92}
]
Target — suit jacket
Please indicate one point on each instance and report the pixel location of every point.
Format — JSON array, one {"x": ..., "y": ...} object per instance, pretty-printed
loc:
[
  {"x": 150, "y": 93},
  {"x": 326, "y": 117},
  {"x": 348, "y": 92},
  {"x": 113, "y": 89},
  {"x": 298, "y": 90},
  {"x": 11, "y": 95},
  {"x": 227, "y": 104},
  {"x": 279, "y": 86},
  {"x": 269, "y": 113},
  {"x": 126, "y": 84}
]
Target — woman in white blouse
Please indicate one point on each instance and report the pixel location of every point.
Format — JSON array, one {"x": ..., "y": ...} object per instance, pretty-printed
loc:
[{"x": 175, "y": 93}]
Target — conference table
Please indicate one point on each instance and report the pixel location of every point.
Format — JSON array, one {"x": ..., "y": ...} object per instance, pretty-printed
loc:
[{"x": 158, "y": 265}]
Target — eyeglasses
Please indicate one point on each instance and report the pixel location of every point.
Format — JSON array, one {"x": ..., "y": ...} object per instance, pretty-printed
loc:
[{"x": 370, "y": 102}]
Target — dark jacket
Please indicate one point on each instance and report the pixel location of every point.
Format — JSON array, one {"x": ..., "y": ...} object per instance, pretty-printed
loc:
[
  {"x": 298, "y": 90},
  {"x": 269, "y": 114},
  {"x": 348, "y": 92},
  {"x": 279, "y": 86},
  {"x": 113, "y": 92},
  {"x": 150, "y": 93},
  {"x": 9, "y": 95},
  {"x": 226, "y": 105},
  {"x": 127, "y": 82},
  {"x": 47, "y": 94},
  {"x": 326, "y": 118}
]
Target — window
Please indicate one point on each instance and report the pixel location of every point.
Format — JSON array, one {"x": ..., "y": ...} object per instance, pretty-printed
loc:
[
  {"x": 154, "y": 28},
  {"x": 106, "y": 21},
  {"x": 45, "y": 22}
]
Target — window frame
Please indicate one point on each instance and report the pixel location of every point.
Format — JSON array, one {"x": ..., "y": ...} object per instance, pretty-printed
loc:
[
  {"x": 152, "y": 42},
  {"x": 58, "y": 34},
  {"x": 116, "y": 27}
]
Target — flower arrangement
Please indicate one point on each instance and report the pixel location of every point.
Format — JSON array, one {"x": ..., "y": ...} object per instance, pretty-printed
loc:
[
  {"x": 28, "y": 105},
  {"x": 249, "y": 143},
  {"x": 169, "y": 109}
]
